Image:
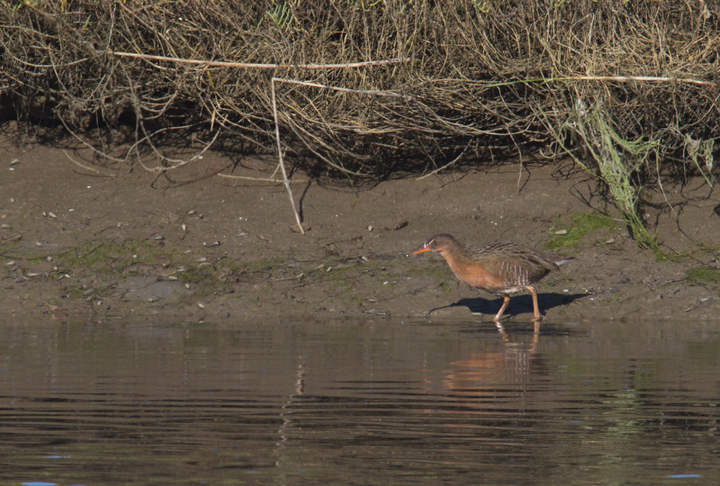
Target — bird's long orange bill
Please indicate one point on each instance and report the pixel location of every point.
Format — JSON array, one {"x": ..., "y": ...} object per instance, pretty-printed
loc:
[{"x": 422, "y": 249}]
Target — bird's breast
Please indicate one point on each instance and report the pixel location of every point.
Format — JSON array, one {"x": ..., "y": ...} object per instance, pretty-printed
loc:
[{"x": 476, "y": 274}]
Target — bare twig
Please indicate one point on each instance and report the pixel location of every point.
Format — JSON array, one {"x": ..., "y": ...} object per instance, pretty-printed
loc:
[
  {"x": 444, "y": 166},
  {"x": 86, "y": 167},
  {"x": 280, "y": 157},
  {"x": 625, "y": 79},
  {"x": 16, "y": 237},
  {"x": 260, "y": 179},
  {"x": 247, "y": 65}
]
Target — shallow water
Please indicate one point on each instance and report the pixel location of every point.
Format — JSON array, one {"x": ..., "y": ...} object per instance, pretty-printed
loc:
[{"x": 348, "y": 402}]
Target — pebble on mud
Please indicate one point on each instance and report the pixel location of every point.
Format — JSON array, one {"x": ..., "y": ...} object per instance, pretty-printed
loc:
[{"x": 400, "y": 224}]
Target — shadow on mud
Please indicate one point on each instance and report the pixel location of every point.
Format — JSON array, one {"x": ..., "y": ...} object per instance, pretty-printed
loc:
[{"x": 519, "y": 304}]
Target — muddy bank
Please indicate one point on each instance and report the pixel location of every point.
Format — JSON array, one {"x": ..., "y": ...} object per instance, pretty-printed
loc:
[{"x": 105, "y": 243}]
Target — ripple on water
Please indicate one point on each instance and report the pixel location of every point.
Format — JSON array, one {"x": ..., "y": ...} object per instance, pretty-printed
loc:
[{"x": 359, "y": 402}]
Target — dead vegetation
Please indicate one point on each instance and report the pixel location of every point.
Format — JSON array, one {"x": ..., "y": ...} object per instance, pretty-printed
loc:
[{"x": 629, "y": 90}]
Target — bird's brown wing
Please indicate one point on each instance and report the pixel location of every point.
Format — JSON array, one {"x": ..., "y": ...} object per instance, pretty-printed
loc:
[{"x": 515, "y": 264}]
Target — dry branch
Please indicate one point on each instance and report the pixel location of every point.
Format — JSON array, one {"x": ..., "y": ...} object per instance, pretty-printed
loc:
[{"x": 245, "y": 65}]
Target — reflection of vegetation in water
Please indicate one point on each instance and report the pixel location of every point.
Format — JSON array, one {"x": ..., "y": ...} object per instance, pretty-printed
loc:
[{"x": 584, "y": 225}]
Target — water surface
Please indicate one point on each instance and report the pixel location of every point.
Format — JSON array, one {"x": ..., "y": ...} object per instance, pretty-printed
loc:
[{"x": 359, "y": 402}]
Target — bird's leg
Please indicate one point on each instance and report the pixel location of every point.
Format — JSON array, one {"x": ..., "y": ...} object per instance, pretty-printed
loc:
[
  {"x": 536, "y": 309},
  {"x": 506, "y": 301}
]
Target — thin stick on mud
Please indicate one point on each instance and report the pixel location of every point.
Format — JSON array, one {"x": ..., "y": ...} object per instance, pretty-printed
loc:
[
  {"x": 16, "y": 237},
  {"x": 258, "y": 179},
  {"x": 87, "y": 167},
  {"x": 280, "y": 156}
]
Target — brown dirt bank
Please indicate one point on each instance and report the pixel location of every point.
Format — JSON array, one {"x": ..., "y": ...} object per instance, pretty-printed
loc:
[{"x": 112, "y": 243}]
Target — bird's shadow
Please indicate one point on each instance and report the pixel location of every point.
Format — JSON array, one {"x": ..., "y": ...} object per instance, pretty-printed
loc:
[{"x": 519, "y": 304}]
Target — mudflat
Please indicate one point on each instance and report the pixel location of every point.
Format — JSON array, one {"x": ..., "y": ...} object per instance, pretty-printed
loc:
[{"x": 86, "y": 241}]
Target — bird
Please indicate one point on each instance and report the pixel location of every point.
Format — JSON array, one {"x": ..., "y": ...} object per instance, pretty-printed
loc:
[{"x": 501, "y": 268}]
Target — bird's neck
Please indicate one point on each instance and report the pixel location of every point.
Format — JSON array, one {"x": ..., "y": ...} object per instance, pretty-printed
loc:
[{"x": 455, "y": 252}]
